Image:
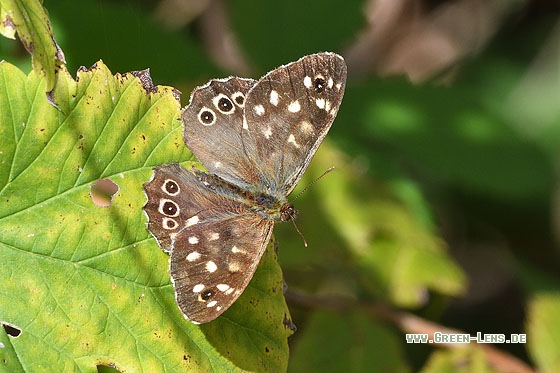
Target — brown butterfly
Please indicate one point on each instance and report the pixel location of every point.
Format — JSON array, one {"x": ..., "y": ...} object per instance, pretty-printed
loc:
[{"x": 255, "y": 138}]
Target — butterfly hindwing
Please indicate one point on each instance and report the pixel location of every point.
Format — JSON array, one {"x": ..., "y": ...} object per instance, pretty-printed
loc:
[
  {"x": 213, "y": 238},
  {"x": 212, "y": 263}
]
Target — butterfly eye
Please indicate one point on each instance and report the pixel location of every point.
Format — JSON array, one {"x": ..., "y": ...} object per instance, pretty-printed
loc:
[
  {"x": 238, "y": 98},
  {"x": 206, "y": 116},
  {"x": 169, "y": 224},
  {"x": 319, "y": 84},
  {"x": 224, "y": 104},
  {"x": 171, "y": 187},
  {"x": 206, "y": 295},
  {"x": 168, "y": 208}
]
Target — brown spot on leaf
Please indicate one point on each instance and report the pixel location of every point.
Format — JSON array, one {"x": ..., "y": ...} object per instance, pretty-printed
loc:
[
  {"x": 176, "y": 94},
  {"x": 9, "y": 23},
  {"x": 145, "y": 79},
  {"x": 288, "y": 323}
]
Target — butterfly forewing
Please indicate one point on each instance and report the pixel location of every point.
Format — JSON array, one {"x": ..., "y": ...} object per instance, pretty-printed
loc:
[
  {"x": 212, "y": 263},
  {"x": 212, "y": 129},
  {"x": 288, "y": 113}
]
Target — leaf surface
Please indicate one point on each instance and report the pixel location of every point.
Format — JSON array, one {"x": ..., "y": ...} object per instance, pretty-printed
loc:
[{"x": 88, "y": 285}]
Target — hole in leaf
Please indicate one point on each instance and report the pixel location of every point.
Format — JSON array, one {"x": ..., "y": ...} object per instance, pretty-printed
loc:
[
  {"x": 12, "y": 330},
  {"x": 102, "y": 192},
  {"x": 109, "y": 368}
]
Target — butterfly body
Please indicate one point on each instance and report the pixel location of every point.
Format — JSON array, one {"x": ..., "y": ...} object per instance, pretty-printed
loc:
[
  {"x": 274, "y": 208},
  {"x": 255, "y": 138}
]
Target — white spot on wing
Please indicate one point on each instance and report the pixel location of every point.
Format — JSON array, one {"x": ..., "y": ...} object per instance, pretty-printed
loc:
[
  {"x": 233, "y": 267},
  {"x": 222, "y": 287},
  {"x": 193, "y": 240},
  {"x": 214, "y": 236},
  {"x": 192, "y": 221},
  {"x": 320, "y": 102},
  {"x": 193, "y": 256},
  {"x": 330, "y": 83},
  {"x": 307, "y": 82},
  {"x": 211, "y": 304},
  {"x": 267, "y": 132},
  {"x": 306, "y": 127},
  {"x": 259, "y": 110},
  {"x": 292, "y": 139},
  {"x": 211, "y": 266},
  {"x": 172, "y": 236},
  {"x": 198, "y": 288},
  {"x": 274, "y": 98},
  {"x": 294, "y": 107}
]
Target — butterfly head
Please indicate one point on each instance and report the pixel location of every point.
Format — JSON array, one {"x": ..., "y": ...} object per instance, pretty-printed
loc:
[{"x": 288, "y": 212}]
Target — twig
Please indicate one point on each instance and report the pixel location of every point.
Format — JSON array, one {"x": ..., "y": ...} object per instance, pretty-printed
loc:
[{"x": 409, "y": 323}]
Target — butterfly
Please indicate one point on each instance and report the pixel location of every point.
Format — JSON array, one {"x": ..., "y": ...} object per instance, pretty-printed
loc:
[{"x": 255, "y": 139}]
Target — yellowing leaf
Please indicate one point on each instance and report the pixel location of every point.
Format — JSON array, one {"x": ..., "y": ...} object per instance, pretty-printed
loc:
[
  {"x": 87, "y": 285},
  {"x": 30, "y": 20}
]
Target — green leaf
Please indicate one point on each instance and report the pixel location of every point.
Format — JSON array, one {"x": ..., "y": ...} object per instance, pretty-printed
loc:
[
  {"x": 30, "y": 20},
  {"x": 88, "y": 285},
  {"x": 543, "y": 331},
  {"x": 353, "y": 343}
]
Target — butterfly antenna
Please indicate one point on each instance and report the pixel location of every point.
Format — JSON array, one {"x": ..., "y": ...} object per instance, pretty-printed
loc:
[
  {"x": 300, "y": 234},
  {"x": 300, "y": 193},
  {"x": 313, "y": 182}
]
